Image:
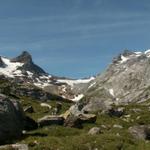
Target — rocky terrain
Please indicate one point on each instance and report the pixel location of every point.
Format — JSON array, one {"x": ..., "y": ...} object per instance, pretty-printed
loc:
[{"x": 39, "y": 111}]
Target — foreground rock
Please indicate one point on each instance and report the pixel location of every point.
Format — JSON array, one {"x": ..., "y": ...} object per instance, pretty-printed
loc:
[
  {"x": 15, "y": 147},
  {"x": 73, "y": 122},
  {"x": 11, "y": 119},
  {"x": 50, "y": 120},
  {"x": 141, "y": 132},
  {"x": 94, "y": 131},
  {"x": 77, "y": 119}
]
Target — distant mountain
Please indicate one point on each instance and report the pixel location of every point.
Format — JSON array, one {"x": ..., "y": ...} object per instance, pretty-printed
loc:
[
  {"x": 23, "y": 70},
  {"x": 126, "y": 80}
]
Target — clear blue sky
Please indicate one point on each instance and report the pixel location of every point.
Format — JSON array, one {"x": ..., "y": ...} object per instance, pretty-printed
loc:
[{"x": 75, "y": 38}]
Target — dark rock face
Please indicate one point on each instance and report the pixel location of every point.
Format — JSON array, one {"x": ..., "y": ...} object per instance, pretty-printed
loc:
[
  {"x": 141, "y": 132},
  {"x": 11, "y": 118},
  {"x": 26, "y": 58},
  {"x": 51, "y": 120},
  {"x": 30, "y": 124},
  {"x": 1, "y": 62}
]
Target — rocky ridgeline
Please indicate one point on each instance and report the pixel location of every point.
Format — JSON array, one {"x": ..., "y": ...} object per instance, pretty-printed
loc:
[
  {"x": 23, "y": 70},
  {"x": 126, "y": 80}
]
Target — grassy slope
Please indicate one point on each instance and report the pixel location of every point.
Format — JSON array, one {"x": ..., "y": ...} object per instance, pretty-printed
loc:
[{"x": 63, "y": 138}]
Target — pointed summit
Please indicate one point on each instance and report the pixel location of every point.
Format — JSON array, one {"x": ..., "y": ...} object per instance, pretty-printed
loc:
[
  {"x": 25, "y": 57},
  {"x": 28, "y": 64}
]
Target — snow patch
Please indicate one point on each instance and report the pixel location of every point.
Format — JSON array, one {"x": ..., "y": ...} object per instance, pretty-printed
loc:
[
  {"x": 77, "y": 98},
  {"x": 10, "y": 69},
  {"x": 73, "y": 82},
  {"x": 123, "y": 59},
  {"x": 30, "y": 74},
  {"x": 111, "y": 91},
  {"x": 147, "y": 51},
  {"x": 46, "y": 105}
]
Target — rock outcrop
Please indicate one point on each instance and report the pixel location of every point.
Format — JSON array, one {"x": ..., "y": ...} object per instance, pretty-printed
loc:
[
  {"x": 140, "y": 132},
  {"x": 28, "y": 64},
  {"x": 50, "y": 120},
  {"x": 126, "y": 80}
]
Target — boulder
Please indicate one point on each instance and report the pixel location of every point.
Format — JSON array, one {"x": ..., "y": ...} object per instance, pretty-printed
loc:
[
  {"x": 73, "y": 122},
  {"x": 50, "y": 120},
  {"x": 140, "y": 132},
  {"x": 94, "y": 131},
  {"x": 76, "y": 120},
  {"x": 11, "y": 118},
  {"x": 29, "y": 109},
  {"x": 87, "y": 118}
]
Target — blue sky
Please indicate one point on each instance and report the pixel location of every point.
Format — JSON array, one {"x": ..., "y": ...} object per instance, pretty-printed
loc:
[{"x": 75, "y": 38}]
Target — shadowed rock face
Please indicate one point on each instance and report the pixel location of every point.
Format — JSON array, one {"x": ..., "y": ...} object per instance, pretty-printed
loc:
[
  {"x": 11, "y": 117},
  {"x": 1, "y": 63},
  {"x": 26, "y": 58}
]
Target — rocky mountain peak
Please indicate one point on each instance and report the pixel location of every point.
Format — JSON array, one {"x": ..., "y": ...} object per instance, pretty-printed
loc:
[{"x": 25, "y": 57}]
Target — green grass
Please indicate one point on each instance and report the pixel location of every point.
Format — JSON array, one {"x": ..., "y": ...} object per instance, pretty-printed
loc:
[{"x": 64, "y": 138}]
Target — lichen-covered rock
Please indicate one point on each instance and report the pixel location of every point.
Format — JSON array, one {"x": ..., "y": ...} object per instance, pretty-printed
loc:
[
  {"x": 140, "y": 132},
  {"x": 94, "y": 131}
]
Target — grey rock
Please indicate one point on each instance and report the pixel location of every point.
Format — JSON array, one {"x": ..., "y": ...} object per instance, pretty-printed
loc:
[
  {"x": 77, "y": 119},
  {"x": 50, "y": 120},
  {"x": 73, "y": 122},
  {"x": 140, "y": 132},
  {"x": 94, "y": 131},
  {"x": 127, "y": 80}
]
